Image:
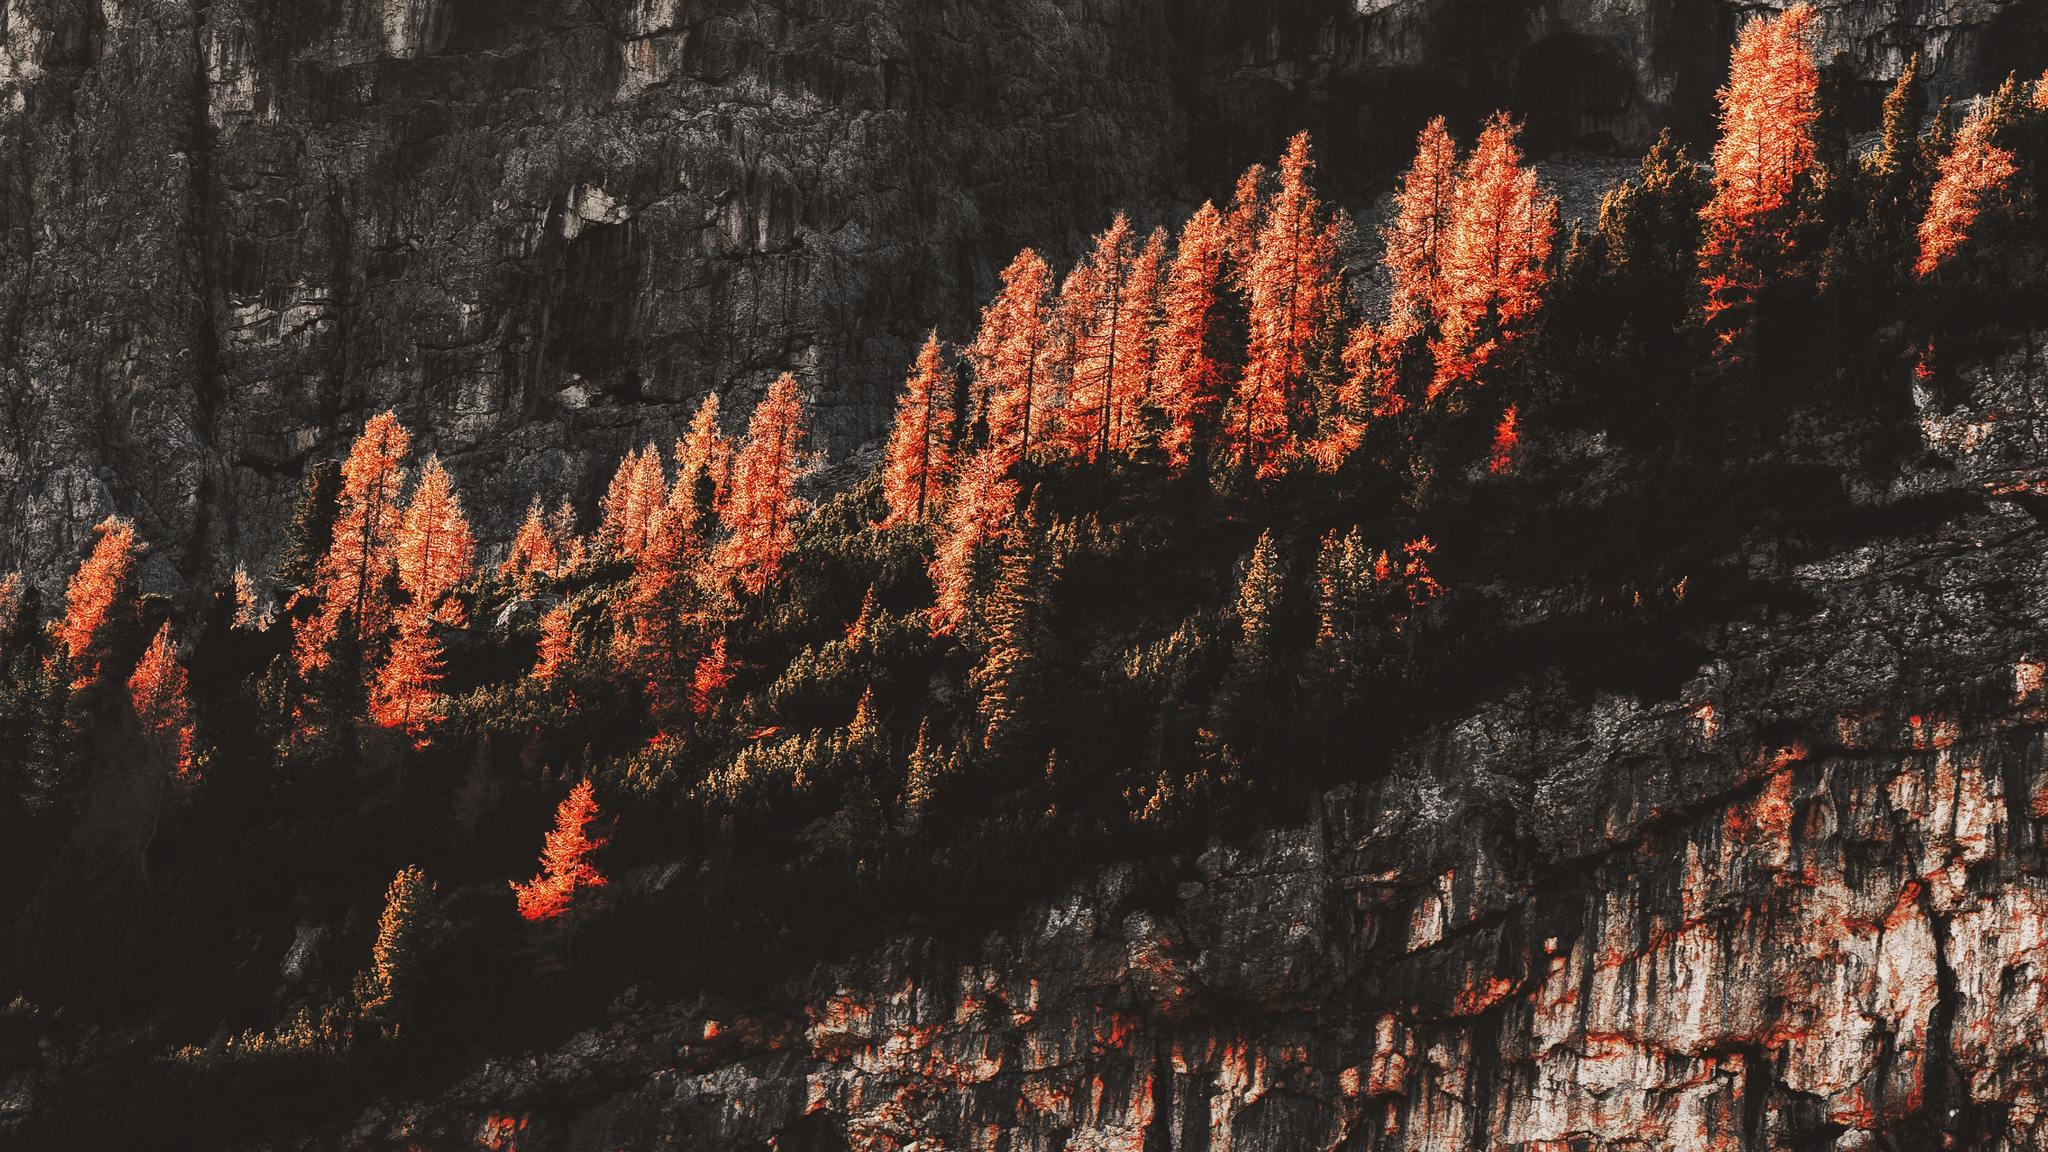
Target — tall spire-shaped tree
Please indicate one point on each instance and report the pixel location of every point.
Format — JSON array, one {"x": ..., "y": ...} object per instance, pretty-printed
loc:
[
  {"x": 158, "y": 690},
  {"x": 1496, "y": 259},
  {"x": 94, "y": 595},
  {"x": 436, "y": 549},
  {"x": 406, "y": 691},
  {"x": 352, "y": 578},
  {"x": 760, "y": 515},
  {"x": 920, "y": 449},
  {"x": 1190, "y": 380},
  {"x": 565, "y": 865},
  {"x": 533, "y": 553},
  {"x": 1973, "y": 173},
  {"x": 1768, "y": 110},
  {"x": 1293, "y": 285},
  {"x": 1006, "y": 356},
  {"x": 703, "y": 470},
  {"x": 1424, "y": 205},
  {"x": 1091, "y": 319},
  {"x": 978, "y": 514},
  {"x": 637, "y": 492}
]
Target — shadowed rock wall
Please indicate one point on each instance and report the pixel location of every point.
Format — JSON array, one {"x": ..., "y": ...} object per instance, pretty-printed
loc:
[
  {"x": 1802, "y": 904},
  {"x": 542, "y": 228}
]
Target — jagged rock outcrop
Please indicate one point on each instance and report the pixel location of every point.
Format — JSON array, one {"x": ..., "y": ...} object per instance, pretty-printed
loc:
[
  {"x": 1800, "y": 903},
  {"x": 229, "y": 229}
]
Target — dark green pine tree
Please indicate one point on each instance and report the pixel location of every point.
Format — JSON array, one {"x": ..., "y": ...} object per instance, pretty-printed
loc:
[{"x": 1010, "y": 682}]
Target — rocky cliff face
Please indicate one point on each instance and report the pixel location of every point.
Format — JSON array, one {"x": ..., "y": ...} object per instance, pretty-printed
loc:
[
  {"x": 1799, "y": 903},
  {"x": 229, "y": 229}
]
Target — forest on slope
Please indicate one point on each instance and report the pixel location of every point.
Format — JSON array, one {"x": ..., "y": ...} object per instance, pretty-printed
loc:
[{"x": 1174, "y": 538}]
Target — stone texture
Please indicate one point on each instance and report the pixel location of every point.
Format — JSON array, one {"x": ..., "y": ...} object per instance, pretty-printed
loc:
[
  {"x": 230, "y": 229},
  {"x": 1802, "y": 903}
]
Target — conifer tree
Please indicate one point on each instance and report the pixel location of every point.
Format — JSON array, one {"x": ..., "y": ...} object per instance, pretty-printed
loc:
[
  {"x": 406, "y": 691},
  {"x": 1768, "y": 110},
  {"x": 436, "y": 549},
  {"x": 978, "y": 515},
  {"x": 557, "y": 644},
  {"x": 565, "y": 865},
  {"x": 1292, "y": 286},
  {"x": 99, "y": 594},
  {"x": 1507, "y": 439},
  {"x": 352, "y": 578},
  {"x": 381, "y": 989},
  {"x": 1137, "y": 353},
  {"x": 1495, "y": 257},
  {"x": 920, "y": 449},
  {"x": 1091, "y": 318},
  {"x": 1006, "y": 356},
  {"x": 533, "y": 553},
  {"x": 632, "y": 502},
  {"x": 703, "y": 472},
  {"x": 761, "y": 512},
  {"x": 310, "y": 532},
  {"x": 1975, "y": 171},
  {"x": 1190, "y": 380},
  {"x": 158, "y": 690},
  {"x": 1011, "y": 679},
  {"x": 1424, "y": 205}
]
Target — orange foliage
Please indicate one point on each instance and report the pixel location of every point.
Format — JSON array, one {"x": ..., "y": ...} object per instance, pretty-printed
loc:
[
  {"x": 760, "y": 513},
  {"x": 1293, "y": 285},
  {"x": 1768, "y": 109},
  {"x": 708, "y": 682},
  {"x": 534, "y": 552},
  {"x": 1107, "y": 305},
  {"x": 979, "y": 512},
  {"x": 1424, "y": 203},
  {"x": 1506, "y": 439},
  {"x": 703, "y": 470},
  {"x": 920, "y": 448},
  {"x": 635, "y": 498},
  {"x": 565, "y": 865},
  {"x": 1974, "y": 171},
  {"x": 158, "y": 690},
  {"x": 351, "y": 577},
  {"x": 100, "y": 583},
  {"x": 406, "y": 693},
  {"x": 557, "y": 644},
  {"x": 1190, "y": 382},
  {"x": 1495, "y": 257},
  {"x": 1006, "y": 355},
  {"x": 436, "y": 550}
]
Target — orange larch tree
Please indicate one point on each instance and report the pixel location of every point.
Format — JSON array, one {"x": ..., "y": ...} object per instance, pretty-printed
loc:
[
  {"x": 533, "y": 553},
  {"x": 1496, "y": 259},
  {"x": 97, "y": 590},
  {"x": 1136, "y": 350},
  {"x": 761, "y": 512},
  {"x": 920, "y": 449},
  {"x": 1292, "y": 285},
  {"x": 1424, "y": 205},
  {"x": 1242, "y": 219},
  {"x": 703, "y": 471},
  {"x": 1768, "y": 110},
  {"x": 632, "y": 502},
  {"x": 1190, "y": 381},
  {"x": 435, "y": 554},
  {"x": 979, "y": 512},
  {"x": 351, "y": 579},
  {"x": 565, "y": 864},
  {"x": 436, "y": 549},
  {"x": 1007, "y": 356},
  {"x": 1507, "y": 439},
  {"x": 557, "y": 644},
  {"x": 1974, "y": 172},
  {"x": 1090, "y": 315},
  {"x": 406, "y": 692},
  {"x": 157, "y": 688}
]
